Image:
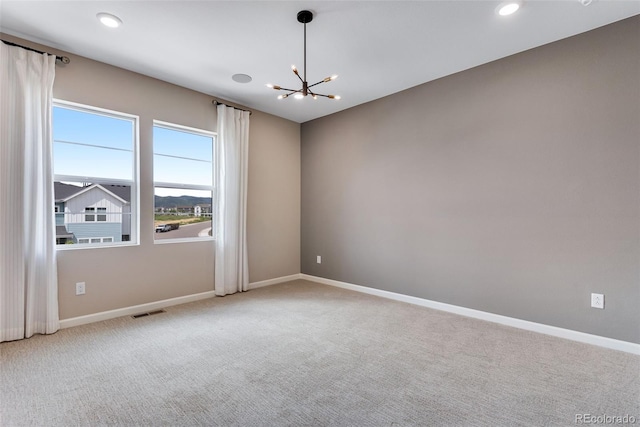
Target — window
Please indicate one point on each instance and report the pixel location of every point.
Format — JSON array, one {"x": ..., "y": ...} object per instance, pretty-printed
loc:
[
  {"x": 89, "y": 214},
  {"x": 85, "y": 240},
  {"x": 102, "y": 217},
  {"x": 183, "y": 183},
  {"x": 95, "y": 165}
]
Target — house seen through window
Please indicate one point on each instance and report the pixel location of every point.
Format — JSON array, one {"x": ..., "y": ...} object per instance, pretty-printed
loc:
[
  {"x": 183, "y": 182},
  {"x": 95, "y": 163}
]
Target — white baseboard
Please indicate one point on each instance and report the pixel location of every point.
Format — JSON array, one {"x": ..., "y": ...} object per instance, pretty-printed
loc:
[
  {"x": 135, "y": 309},
  {"x": 275, "y": 281},
  {"x": 569, "y": 334},
  {"x": 142, "y": 308}
]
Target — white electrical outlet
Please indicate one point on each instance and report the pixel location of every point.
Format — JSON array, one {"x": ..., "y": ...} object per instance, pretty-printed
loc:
[
  {"x": 597, "y": 300},
  {"x": 319, "y": 259},
  {"x": 80, "y": 288}
]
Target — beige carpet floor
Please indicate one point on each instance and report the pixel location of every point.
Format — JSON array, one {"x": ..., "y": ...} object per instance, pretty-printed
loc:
[{"x": 304, "y": 354}]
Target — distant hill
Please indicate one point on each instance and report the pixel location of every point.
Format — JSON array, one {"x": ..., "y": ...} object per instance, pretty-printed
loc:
[{"x": 173, "y": 201}]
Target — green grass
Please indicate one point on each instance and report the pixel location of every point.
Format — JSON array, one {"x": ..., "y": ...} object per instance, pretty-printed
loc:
[{"x": 182, "y": 219}]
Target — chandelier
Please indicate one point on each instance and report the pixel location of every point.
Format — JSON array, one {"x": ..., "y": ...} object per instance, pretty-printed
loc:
[{"x": 304, "y": 17}]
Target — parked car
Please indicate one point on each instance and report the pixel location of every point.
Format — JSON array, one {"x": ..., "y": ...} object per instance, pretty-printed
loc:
[{"x": 161, "y": 228}]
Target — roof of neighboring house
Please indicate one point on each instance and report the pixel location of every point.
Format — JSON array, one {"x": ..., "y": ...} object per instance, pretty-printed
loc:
[
  {"x": 122, "y": 191},
  {"x": 63, "y": 191},
  {"x": 61, "y": 231}
]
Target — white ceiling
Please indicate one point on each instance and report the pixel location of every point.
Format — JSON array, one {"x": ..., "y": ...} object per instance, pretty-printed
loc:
[{"x": 377, "y": 47}]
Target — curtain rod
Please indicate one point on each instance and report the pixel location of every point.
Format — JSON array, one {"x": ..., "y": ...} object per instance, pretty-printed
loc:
[
  {"x": 63, "y": 59},
  {"x": 216, "y": 102}
]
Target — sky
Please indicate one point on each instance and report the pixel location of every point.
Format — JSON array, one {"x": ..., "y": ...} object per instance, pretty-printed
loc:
[{"x": 100, "y": 146}]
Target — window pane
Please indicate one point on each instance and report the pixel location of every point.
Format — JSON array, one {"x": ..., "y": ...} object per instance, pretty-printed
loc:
[
  {"x": 80, "y": 160},
  {"x": 91, "y": 144},
  {"x": 89, "y": 211},
  {"x": 182, "y": 157},
  {"x": 182, "y": 214}
]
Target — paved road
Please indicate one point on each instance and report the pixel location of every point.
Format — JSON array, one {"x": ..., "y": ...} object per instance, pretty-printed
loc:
[{"x": 185, "y": 231}]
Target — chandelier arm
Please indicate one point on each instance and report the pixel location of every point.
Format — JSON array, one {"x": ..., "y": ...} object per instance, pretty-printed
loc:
[
  {"x": 327, "y": 96},
  {"x": 315, "y": 84},
  {"x": 291, "y": 92},
  {"x": 284, "y": 88},
  {"x": 298, "y": 75}
]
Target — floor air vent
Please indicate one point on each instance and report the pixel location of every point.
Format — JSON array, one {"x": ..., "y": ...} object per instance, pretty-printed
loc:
[{"x": 149, "y": 313}]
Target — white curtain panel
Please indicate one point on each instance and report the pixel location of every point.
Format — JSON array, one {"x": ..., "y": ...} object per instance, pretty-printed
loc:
[
  {"x": 28, "y": 273},
  {"x": 231, "y": 156}
]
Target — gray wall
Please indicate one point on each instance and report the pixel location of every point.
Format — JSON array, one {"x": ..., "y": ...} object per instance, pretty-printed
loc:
[
  {"x": 126, "y": 276},
  {"x": 511, "y": 188}
]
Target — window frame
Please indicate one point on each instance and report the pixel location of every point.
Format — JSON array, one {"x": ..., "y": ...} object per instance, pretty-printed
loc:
[
  {"x": 134, "y": 183},
  {"x": 172, "y": 185}
]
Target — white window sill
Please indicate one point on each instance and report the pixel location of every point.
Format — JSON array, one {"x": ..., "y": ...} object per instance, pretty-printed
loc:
[
  {"x": 78, "y": 246},
  {"x": 184, "y": 240}
]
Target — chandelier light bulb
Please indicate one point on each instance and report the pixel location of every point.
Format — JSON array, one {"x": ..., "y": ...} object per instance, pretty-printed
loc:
[{"x": 298, "y": 96}]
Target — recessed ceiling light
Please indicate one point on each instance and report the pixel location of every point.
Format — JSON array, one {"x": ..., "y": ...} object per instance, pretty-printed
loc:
[
  {"x": 241, "y": 78},
  {"x": 109, "y": 20},
  {"x": 508, "y": 8}
]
